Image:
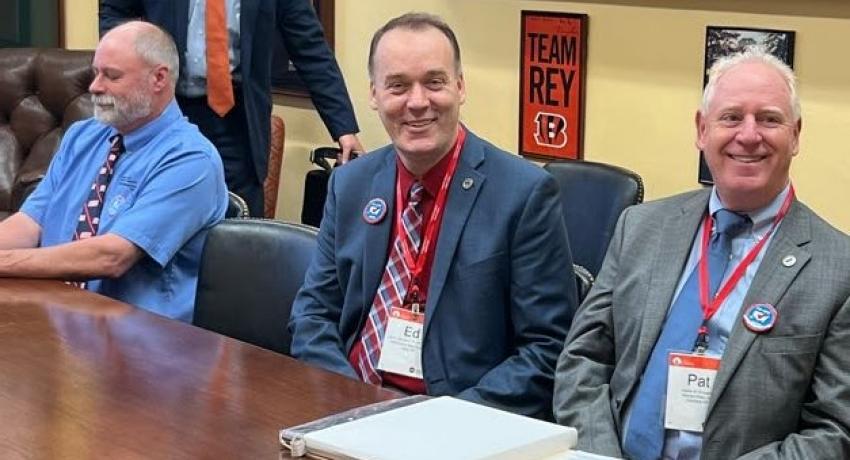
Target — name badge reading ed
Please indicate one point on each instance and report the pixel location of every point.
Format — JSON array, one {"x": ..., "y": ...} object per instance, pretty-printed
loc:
[{"x": 401, "y": 351}]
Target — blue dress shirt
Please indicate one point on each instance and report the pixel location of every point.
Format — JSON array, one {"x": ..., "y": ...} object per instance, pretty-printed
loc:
[{"x": 167, "y": 190}]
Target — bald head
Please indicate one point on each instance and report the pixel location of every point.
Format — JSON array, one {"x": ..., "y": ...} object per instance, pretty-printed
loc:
[
  {"x": 150, "y": 43},
  {"x": 135, "y": 73}
]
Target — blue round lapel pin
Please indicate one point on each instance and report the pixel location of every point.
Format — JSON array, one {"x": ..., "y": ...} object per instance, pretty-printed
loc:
[
  {"x": 375, "y": 211},
  {"x": 760, "y": 317}
]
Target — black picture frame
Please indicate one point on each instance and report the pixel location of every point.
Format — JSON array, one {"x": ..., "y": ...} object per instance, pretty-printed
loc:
[
  {"x": 285, "y": 79},
  {"x": 722, "y": 41}
]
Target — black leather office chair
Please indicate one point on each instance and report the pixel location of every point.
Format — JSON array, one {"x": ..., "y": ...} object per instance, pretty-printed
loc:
[
  {"x": 593, "y": 196},
  {"x": 584, "y": 281},
  {"x": 236, "y": 206},
  {"x": 251, "y": 270}
]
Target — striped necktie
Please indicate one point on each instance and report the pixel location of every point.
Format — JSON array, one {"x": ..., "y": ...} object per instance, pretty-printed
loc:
[
  {"x": 392, "y": 290},
  {"x": 89, "y": 220}
]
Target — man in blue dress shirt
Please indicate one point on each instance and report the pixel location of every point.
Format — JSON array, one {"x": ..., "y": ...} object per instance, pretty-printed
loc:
[{"x": 131, "y": 193}]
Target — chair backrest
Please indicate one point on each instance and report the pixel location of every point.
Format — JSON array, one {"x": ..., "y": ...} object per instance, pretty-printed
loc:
[
  {"x": 251, "y": 270},
  {"x": 42, "y": 91},
  {"x": 237, "y": 208},
  {"x": 272, "y": 182},
  {"x": 316, "y": 184},
  {"x": 593, "y": 195},
  {"x": 584, "y": 281}
]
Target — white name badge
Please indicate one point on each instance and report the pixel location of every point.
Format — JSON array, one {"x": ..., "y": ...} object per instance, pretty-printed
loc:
[
  {"x": 401, "y": 352},
  {"x": 690, "y": 378}
]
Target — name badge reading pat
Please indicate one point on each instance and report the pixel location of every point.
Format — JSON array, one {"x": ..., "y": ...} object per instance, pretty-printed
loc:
[
  {"x": 401, "y": 352},
  {"x": 690, "y": 378}
]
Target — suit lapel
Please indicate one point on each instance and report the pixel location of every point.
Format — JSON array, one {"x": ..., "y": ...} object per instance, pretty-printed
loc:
[
  {"x": 672, "y": 249},
  {"x": 377, "y": 244},
  {"x": 458, "y": 207},
  {"x": 769, "y": 285}
]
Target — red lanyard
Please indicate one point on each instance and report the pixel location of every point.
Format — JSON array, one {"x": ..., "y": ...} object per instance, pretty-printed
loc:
[
  {"x": 416, "y": 266},
  {"x": 710, "y": 306}
]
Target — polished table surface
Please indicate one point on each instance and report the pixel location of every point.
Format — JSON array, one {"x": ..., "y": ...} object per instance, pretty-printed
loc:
[{"x": 83, "y": 376}]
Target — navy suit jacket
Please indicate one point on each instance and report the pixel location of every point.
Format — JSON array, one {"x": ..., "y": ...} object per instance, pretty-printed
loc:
[
  {"x": 304, "y": 41},
  {"x": 502, "y": 289}
]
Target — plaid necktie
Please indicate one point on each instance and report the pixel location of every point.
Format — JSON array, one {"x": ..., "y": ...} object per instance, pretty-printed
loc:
[
  {"x": 89, "y": 219},
  {"x": 393, "y": 288}
]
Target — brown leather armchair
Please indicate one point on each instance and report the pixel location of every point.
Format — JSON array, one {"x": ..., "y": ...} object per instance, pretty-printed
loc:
[{"x": 42, "y": 91}]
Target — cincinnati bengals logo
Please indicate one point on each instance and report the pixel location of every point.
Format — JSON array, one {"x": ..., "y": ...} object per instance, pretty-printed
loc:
[{"x": 550, "y": 130}]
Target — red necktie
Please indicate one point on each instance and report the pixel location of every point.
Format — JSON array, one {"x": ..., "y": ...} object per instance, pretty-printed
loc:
[
  {"x": 89, "y": 220},
  {"x": 391, "y": 292},
  {"x": 219, "y": 84}
]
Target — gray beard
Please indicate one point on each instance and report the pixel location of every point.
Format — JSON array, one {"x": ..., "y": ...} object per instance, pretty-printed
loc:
[{"x": 123, "y": 111}]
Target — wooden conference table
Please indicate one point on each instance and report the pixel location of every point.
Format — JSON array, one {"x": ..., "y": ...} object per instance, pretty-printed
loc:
[{"x": 83, "y": 376}]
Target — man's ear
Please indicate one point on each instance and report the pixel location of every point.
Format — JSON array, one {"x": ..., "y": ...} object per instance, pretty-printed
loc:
[
  {"x": 373, "y": 100},
  {"x": 160, "y": 77},
  {"x": 701, "y": 126},
  {"x": 461, "y": 88},
  {"x": 799, "y": 127}
]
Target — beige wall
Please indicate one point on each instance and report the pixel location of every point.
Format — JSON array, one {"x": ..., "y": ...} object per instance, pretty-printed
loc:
[
  {"x": 80, "y": 24},
  {"x": 643, "y": 83}
]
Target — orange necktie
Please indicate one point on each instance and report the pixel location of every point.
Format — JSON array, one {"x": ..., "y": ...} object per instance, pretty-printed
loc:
[{"x": 219, "y": 85}]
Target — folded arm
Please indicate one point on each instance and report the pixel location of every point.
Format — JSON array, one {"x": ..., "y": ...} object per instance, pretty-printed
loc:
[
  {"x": 105, "y": 256},
  {"x": 19, "y": 231}
]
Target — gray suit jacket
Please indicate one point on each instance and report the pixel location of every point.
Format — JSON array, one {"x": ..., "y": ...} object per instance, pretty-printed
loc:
[{"x": 781, "y": 394}]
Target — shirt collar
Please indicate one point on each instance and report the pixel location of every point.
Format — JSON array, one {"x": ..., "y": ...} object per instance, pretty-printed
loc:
[
  {"x": 762, "y": 218},
  {"x": 137, "y": 139},
  {"x": 431, "y": 180}
]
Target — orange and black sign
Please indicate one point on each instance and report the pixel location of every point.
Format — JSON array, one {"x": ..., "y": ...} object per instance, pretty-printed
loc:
[{"x": 552, "y": 62}]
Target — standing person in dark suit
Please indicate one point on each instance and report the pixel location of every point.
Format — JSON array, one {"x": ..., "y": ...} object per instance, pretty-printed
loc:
[
  {"x": 451, "y": 274},
  {"x": 239, "y": 125}
]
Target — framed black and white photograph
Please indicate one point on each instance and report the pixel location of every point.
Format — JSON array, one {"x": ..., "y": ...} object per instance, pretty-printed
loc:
[{"x": 722, "y": 41}]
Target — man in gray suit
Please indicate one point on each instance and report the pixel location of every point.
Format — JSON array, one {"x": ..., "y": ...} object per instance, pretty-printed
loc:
[{"x": 666, "y": 361}]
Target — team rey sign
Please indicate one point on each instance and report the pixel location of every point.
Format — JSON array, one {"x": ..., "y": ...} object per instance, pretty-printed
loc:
[{"x": 552, "y": 61}]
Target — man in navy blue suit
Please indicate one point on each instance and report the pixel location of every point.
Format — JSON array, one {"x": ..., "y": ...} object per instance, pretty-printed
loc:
[
  {"x": 451, "y": 273},
  {"x": 242, "y": 135}
]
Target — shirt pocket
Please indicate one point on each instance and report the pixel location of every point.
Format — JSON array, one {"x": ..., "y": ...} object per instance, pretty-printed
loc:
[{"x": 120, "y": 196}]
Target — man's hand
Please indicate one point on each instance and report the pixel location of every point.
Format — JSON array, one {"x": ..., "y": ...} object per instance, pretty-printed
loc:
[{"x": 349, "y": 143}]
